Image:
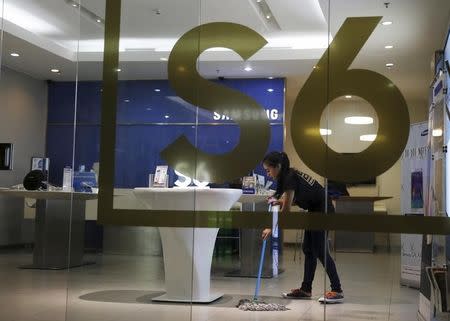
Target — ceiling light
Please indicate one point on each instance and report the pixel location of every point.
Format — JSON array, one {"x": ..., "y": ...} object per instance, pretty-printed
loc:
[
  {"x": 118, "y": 69},
  {"x": 389, "y": 65},
  {"x": 74, "y": 5},
  {"x": 248, "y": 68},
  {"x": 14, "y": 54},
  {"x": 358, "y": 120},
  {"x": 163, "y": 59},
  {"x": 127, "y": 100},
  {"x": 325, "y": 132},
  {"x": 54, "y": 70},
  {"x": 268, "y": 17},
  {"x": 258, "y": 1},
  {"x": 437, "y": 132},
  {"x": 149, "y": 109},
  {"x": 269, "y": 77},
  {"x": 166, "y": 116},
  {"x": 98, "y": 20},
  {"x": 367, "y": 138},
  {"x": 270, "y": 90},
  {"x": 386, "y": 23},
  {"x": 157, "y": 90},
  {"x": 388, "y": 47},
  {"x": 348, "y": 96}
]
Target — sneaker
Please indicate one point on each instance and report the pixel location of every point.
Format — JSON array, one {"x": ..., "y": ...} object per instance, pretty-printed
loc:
[
  {"x": 298, "y": 294},
  {"x": 332, "y": 297}
]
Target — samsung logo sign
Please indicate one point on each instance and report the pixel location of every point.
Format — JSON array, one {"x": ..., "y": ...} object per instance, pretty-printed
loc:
[
  {"x": 272, "y": 114},
  {"x": 424, "y": 133}
]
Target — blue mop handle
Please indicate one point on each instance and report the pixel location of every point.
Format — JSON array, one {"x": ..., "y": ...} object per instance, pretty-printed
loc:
[{"x": 261, "y": 261}]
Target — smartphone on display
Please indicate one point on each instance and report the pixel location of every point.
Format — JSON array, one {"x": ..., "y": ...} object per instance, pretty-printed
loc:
[{"x": 417, "y": 189}]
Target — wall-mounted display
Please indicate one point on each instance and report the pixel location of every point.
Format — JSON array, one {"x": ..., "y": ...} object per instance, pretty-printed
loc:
[{"x": 6, "y": 156}]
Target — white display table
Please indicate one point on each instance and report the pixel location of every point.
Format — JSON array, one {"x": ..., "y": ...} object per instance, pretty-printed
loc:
[
  {"x": 188, "y": 251},
  {"x": 59, "y": 227}
]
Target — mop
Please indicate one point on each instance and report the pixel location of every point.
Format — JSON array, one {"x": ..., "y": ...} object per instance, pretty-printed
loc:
[{"x": 255, "y": 304}]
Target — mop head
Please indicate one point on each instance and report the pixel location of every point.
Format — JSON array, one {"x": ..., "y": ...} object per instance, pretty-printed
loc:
[{"x": 256, "y": 305}]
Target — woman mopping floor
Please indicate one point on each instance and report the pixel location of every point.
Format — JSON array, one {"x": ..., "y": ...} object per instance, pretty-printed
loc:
[{"x": 295, "y": 187}]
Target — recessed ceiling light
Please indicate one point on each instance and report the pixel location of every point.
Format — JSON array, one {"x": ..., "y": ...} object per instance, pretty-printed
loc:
[
  {"x": 14, "y": 54},
  {"x": 270, "y": 90},
  {"x": 74, "y": 4},
  {"x": 358, "y": 120},
  {"x": 54, "y": 70},
  {"x": 268, "y": 16},
  {"x": 166, "y": 116},
  {"x": 98, "y": 20},
  {"x": 388, "y": 47},
  {"x": 389, "y": 65},
  {"x": 325, "y": 132},
  {"x": 118, "y": 69},
  {"x": 367, "y": 138},
  {"x": 386, "y": 23},
  {"x": 157, "y": 90},
  {"x": 127, "y": 100},
  {"x": 258, "y": 1},
  {"x": 163, "y": 59},
  {"x": 248, "y": 68},
  {"x": 348, "y": 96},
  {"x": 269, "y": 77}
]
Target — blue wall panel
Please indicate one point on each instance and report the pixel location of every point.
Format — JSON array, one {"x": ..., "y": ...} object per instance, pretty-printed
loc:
[{"x": 147, "y": 122}]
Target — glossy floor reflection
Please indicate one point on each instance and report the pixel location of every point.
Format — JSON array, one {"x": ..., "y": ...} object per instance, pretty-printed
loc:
[{"x": 121, "y": 288}]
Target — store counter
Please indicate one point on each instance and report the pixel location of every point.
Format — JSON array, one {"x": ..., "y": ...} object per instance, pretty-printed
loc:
[
  {"x": 59, "y": 215},
  {"x": 356, "y": 241},
  {"x": 188, "y": 251},
  {"x": 250, "y": 243}
]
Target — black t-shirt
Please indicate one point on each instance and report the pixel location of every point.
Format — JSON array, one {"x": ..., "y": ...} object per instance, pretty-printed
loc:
[{"x": 308, "y": 193}]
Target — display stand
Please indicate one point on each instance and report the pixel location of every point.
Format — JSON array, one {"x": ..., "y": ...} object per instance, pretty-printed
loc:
[
  {"x": 355, "y": 241},
  {"x": 188, "y": 251},
  {"x": 434, "y": 304}
]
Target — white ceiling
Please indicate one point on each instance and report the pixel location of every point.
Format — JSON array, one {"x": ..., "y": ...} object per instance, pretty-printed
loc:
[{"x": 47, "y": 34}]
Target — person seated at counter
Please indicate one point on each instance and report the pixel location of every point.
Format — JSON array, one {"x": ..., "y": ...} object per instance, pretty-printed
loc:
[{"x": 298, "y": 188}]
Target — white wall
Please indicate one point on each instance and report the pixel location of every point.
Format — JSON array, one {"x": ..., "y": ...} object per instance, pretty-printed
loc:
[{"x": 23, "y": 122}]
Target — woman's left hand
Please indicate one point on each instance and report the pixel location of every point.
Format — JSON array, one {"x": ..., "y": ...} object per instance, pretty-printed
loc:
[{"x": 266, "y": 233}]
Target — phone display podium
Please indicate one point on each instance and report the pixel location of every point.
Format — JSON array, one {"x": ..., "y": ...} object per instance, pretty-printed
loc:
[{"x": 188, "y": 251}]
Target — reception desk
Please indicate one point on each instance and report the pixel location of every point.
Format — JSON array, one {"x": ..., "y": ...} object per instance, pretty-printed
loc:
[
  {"x": 356, "y": 241},
  {"x": 188, "y": 251},
  {"x": 59, "y": 227}
]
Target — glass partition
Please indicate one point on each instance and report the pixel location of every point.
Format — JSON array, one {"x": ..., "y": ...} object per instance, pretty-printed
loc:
[
  {"x": 161, "y": 192},
  {"x": 38, "y": 217}
]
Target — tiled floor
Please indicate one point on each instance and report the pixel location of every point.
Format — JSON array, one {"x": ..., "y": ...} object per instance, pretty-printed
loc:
[{"x": 121, "y": 288}]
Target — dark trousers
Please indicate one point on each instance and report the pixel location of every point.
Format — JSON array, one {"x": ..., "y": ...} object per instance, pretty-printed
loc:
[{"x": 315, "y": 246}]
